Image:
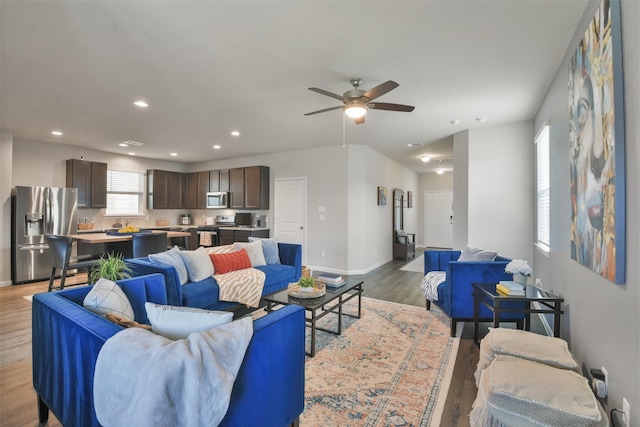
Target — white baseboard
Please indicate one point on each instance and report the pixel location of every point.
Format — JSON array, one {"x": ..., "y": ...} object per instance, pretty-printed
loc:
[{"x": 6, "y": 283}]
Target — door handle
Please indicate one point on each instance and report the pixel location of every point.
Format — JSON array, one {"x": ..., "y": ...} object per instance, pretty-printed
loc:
[{"x": 301, "y": 228}]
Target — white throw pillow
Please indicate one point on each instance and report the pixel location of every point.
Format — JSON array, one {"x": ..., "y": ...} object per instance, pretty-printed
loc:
[
  {"x": 178, "y": 322},
  {"x": 106, "y": 297},
  {"x": 254, "y": 249},
  {"x": 199, "y": 265},
  {"x": 225, "y": 249},
  {"x": 173, "y": 258},
  {"x": 474, "y": 254}
]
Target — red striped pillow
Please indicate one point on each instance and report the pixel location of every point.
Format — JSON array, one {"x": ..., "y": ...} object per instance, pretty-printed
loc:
[{"x": 232, "y": 261}]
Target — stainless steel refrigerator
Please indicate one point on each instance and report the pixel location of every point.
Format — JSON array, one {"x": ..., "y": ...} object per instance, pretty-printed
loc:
[{"x": 37, "y": 211}]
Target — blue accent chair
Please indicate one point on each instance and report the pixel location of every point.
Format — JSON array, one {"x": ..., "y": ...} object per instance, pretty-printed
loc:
[
  {"x": 455, "y": 294},
  {"x": 268, "y": 391}
]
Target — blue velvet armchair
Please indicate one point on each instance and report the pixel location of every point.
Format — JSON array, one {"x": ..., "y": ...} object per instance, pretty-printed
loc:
[
  {"x": 268, "y": 390},
  {"x": 455, "y": 294}
]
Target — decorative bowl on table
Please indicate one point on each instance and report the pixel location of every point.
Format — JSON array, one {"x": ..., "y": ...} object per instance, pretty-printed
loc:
[{"x": 317, "y": 290}]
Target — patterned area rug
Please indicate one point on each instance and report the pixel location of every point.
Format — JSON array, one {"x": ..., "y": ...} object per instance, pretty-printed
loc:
[{"x": 392, "y": 367}]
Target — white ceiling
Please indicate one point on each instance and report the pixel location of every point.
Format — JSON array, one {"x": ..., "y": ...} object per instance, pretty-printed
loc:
[{"x": 209, "y": 67}]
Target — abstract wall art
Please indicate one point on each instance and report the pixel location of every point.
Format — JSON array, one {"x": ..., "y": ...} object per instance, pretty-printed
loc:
[{"x": 596, "y": 136}]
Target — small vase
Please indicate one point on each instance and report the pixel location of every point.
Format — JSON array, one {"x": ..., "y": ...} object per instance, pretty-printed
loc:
[{"x": 520, "y": 278}]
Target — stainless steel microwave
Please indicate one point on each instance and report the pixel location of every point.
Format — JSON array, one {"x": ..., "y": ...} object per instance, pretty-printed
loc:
[{"x": 217, "y": 200}]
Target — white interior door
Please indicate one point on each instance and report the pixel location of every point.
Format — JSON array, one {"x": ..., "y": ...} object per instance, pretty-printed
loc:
[
  {"x": 290, "y": 211},
  {"x": 439, "y": 219}
]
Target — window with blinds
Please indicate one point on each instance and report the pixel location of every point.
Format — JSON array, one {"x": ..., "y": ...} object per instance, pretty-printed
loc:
[
  {"x": 125, "y": 192},
  {"x": 542, "y": 186}
]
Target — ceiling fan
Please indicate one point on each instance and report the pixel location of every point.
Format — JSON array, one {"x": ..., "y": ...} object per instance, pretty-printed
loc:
[{"x": 357, "y": 101}]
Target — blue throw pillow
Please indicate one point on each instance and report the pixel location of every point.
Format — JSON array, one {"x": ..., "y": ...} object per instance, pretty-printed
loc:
[
  {"x": 269, "y": 249},
  {"x": 172, "y": 257}
]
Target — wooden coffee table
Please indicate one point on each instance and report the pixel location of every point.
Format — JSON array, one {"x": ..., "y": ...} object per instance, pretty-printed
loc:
[{"x": 317, "y": 308}]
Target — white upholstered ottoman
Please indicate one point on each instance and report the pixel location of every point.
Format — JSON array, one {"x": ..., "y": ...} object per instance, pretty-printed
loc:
[{"x": 522, "y": 393}]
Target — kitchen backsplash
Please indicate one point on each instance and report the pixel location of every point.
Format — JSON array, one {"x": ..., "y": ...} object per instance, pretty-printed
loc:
[{"x": 151, "y": 216}]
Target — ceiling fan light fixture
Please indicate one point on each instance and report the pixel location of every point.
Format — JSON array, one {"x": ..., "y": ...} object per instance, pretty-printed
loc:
[{"x": 355, "y": 111}]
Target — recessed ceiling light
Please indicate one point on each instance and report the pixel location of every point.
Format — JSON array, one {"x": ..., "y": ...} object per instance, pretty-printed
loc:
[
  {"x": 140, "y": 103},
  {"x": 122, "y": 144},
  {"x": 439, "y": 171},
  {"x": 454, "y": 122},
  {"x": 415, "y": 144},
  {"x": 131, "y": 153},
  {"x": 56, "y": 133},
  {"x": 425, "y": 159},
  {"x": 174, "y": 154},
  {"x": 235, "y": 133},
  {"x": 481, "y": 119},
  {"x": 216, "y": 147}
]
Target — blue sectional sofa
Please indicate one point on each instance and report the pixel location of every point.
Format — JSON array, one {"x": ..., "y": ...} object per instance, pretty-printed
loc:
[
  {"x": 66, "y": 340},
  {"x": 205, "y": 293},
  {"x": 455, "y": 293}
]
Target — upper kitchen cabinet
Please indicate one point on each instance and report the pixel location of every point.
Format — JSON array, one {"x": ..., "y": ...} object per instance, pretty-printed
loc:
[
  {"x": 256, "y": 187},
  {"x": 157, "y": 189},
  {"x": 236, "y": 188},
  {"x": 197, "y": 186},
  {"x": 90, "y": 178},
  {"x": 249, "y": 187},
  {"x": 219, "y": 180},
  {"x": 175, "y": 193}
]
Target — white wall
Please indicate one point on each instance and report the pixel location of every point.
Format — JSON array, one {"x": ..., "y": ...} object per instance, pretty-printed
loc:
[
  {"x": 6, "y": 146},
  {"x": 460, "y": 189},
  {"x": 371, "y": 226},
  {"x": 602, "y": 319},
  {"x": 501, "y": 189},
  {"x": 493, "y": 189}
]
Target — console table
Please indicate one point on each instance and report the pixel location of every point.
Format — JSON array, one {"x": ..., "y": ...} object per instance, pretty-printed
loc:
[{"x": 486, "y": 294}]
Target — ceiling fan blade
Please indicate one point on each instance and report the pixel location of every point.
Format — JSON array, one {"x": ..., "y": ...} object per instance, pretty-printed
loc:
[
  {"x": 380, "y": 90},
  {"x": 323, "y": 111},
  {"x": 327, "y": 93},
  {"x": 390, "y": 107},
  {"x": 359, "y": 120}
]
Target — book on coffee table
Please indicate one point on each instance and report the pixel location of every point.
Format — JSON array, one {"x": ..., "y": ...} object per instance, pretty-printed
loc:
[
  {"x": 330, "y": 278},
  {"x": 330, "y": 285}
]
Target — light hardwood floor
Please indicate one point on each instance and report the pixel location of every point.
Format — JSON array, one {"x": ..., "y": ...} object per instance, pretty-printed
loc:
[{"x": 18, "y": 399}]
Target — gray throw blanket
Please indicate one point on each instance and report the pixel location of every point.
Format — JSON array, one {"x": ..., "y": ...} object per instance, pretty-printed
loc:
[
  {"x": 430, "y": 283},
  {"x": 144, "y": 379}
]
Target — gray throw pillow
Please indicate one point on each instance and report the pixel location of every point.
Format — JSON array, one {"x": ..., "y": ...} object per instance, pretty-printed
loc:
[{"x": 474, "y": 254}]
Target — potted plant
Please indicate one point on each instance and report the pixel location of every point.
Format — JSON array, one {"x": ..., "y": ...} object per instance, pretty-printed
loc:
[{"x": 110, "y": 266}]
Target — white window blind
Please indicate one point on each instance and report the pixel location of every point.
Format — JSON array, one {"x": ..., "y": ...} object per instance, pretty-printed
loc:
[
  {"x": 125, "y": 191},
  {"x": 542, "y": 184}
]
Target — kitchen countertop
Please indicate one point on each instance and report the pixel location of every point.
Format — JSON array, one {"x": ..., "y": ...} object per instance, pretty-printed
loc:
[
  {"x": 243, "y": 228},
  {"x": 104, "y": 230}
]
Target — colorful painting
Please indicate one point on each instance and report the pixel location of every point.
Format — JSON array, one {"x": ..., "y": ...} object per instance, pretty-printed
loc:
[{"x": 597, "y": 147}]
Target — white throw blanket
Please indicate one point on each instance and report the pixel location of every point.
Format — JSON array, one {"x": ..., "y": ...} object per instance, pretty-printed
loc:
[
  {"x": 430, "y": 284},
  {"x": 144, "y": 379},
  {"x": 243, "y": 286}
]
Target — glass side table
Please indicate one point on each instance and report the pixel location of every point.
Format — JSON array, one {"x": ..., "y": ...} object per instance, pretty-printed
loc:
[{"x": 486, "y": 294}]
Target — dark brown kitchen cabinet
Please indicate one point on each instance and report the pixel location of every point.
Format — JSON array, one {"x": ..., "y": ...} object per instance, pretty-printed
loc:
[
  {"x": 224, "y": 180},
  {"x": 175, "y": 191},
  {"x": 202, "y": 180},
  {"x": 197, "y": 185},
  {"x": 230, "y": 235},
  {"x": 219, "y": 180},
  {"x": 236, "y": 188},
  {"x": 157, "y": 189},
  {"x": 256, "y": 187},
  {"x": 90, "y": 178},
  {"x": 214, "y": 180}
]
